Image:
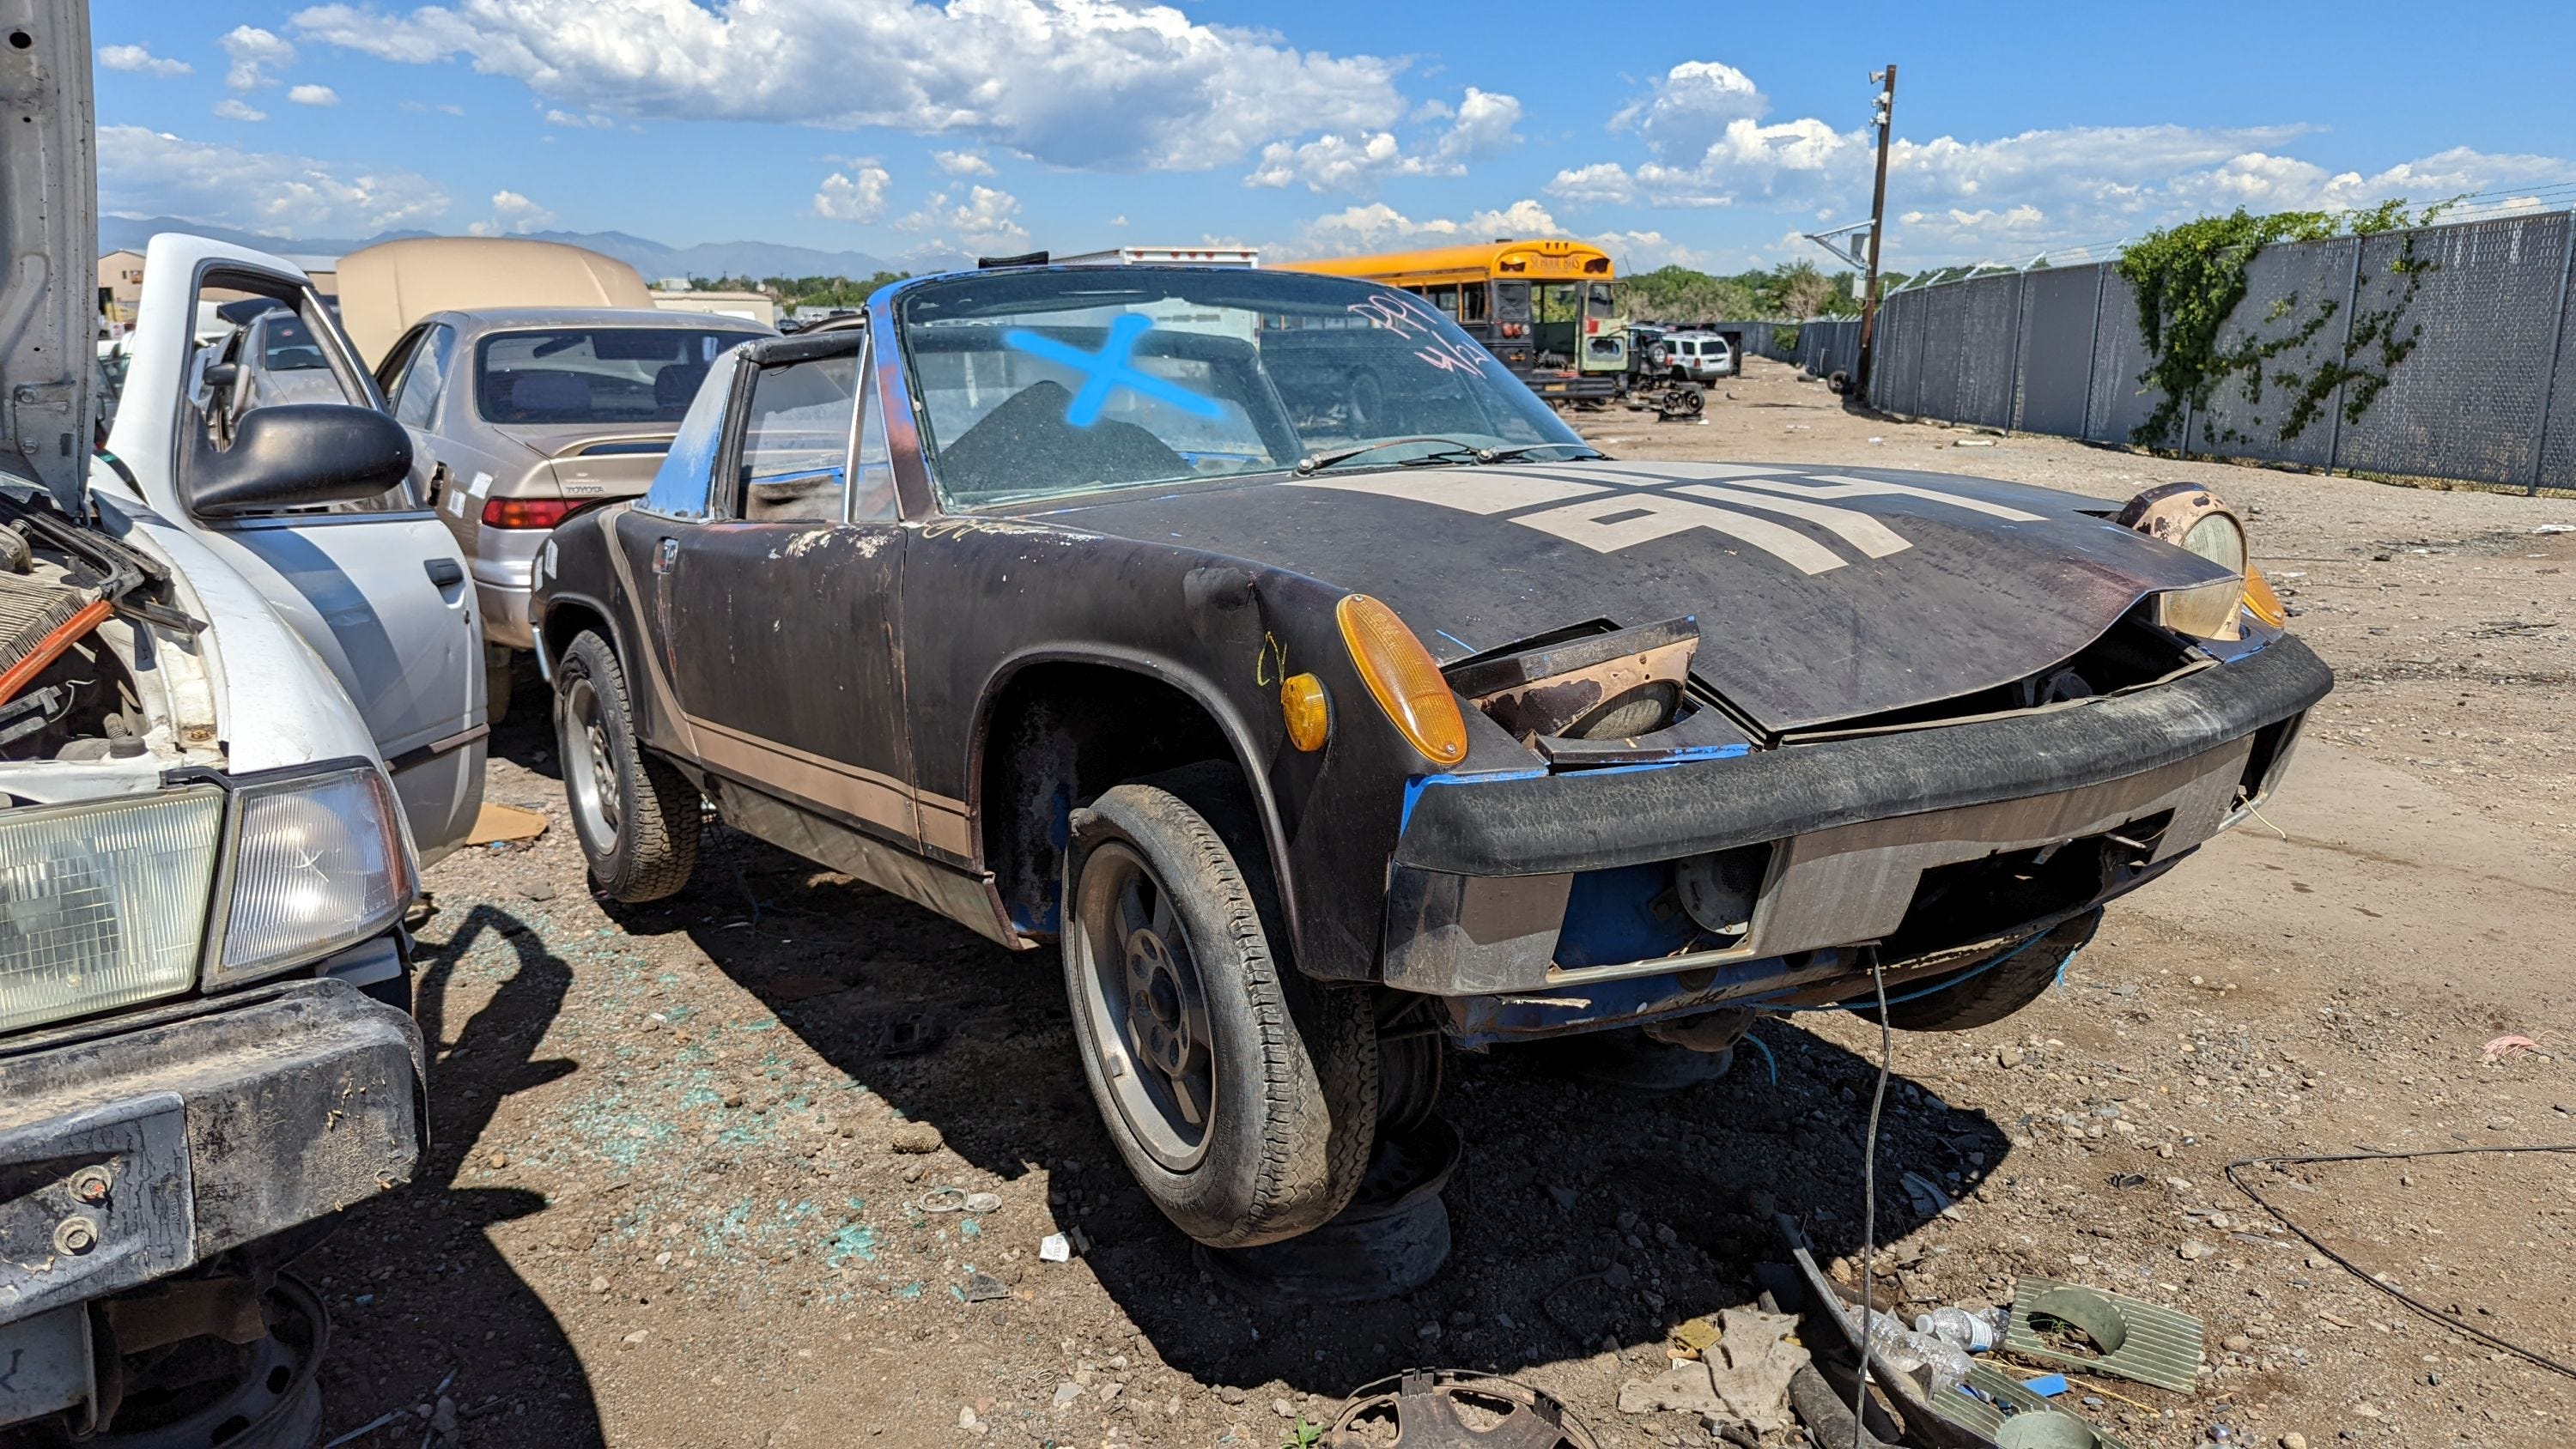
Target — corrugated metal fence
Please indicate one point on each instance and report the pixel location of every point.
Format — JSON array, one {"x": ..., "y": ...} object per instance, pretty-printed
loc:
[
  {"x": 2486, "y": 394},
  {"x": 1822, "y": 347}
]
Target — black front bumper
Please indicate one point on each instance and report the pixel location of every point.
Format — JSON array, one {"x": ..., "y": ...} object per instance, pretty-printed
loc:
[
  {"x": 134, "y": 1146},
  {"x": 1482, "y": 896},
  {"x": 1596, "y": 820}
]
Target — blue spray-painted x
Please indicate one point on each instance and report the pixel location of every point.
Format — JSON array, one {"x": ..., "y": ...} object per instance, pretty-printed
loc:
[{"x": 1109, "y": 369}]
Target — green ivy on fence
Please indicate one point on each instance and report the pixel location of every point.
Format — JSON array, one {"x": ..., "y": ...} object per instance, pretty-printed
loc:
[{"x": 2189, "y": 279}]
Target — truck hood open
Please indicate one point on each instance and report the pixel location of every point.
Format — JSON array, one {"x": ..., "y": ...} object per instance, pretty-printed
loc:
[{"x": 1822, "y": 594}]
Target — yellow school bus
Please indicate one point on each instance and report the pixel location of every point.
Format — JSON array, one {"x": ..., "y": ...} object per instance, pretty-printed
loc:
[{"x": 1544, "y": 307}]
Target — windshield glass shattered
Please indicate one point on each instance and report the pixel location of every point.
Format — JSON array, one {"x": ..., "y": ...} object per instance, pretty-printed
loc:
[
  {"x": 1045, "y": 384},
  {"x": 595, "y": 374}
]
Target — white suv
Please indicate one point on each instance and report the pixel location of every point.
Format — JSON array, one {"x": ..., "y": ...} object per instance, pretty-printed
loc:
[{"x": 1691, "y": 357}]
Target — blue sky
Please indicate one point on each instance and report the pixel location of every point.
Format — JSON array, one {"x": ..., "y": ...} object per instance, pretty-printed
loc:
[{"x": 1708, "y": 135}]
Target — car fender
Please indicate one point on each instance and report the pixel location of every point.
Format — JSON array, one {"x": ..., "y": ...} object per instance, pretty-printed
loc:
[
  {"x": 276, "y": 702},
  {"x": 1202, "y": 691}
]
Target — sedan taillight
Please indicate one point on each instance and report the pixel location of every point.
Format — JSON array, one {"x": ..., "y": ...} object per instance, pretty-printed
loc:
[{"x": 525, "y": 512}]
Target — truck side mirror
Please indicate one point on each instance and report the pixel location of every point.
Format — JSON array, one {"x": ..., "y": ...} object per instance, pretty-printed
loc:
[{"x": 300, "y": 455}]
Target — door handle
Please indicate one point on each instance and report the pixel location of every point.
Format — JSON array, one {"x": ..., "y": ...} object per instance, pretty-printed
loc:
[
  {"x": 447, "y": 573},
  {"x": 666, "y": 555}
]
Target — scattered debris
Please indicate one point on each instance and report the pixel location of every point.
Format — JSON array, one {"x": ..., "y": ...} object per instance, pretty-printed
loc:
[
  {"x": 1972, "y": 442},
  {"x": 506, "y": 825},
  {"x": 984, "y": 1288},
  {"x": 2506, "y": 1048},
  {"x": 1746, "y": 1379},
  {"x": 1924, "y": 1195},
  {"x": 1453, "y": 1409},
  {"x": 2129, "y": 1337},
  {"x": 2556, "y": 528},
  {"x": 1696, "y": 1335},
  {"x": 1055, "y": 1248}
]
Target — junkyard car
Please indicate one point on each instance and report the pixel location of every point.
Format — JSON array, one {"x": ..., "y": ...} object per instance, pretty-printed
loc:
[
  {"x": 518, "y": 415},
  {"x": 239, "y": 704},
  {"x": 1071, "y": 604}
]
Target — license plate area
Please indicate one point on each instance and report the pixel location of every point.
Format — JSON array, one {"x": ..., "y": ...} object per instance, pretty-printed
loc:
[{"x": 93, "y": 1201}]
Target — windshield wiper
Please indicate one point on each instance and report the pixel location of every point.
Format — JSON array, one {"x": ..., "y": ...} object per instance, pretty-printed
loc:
[
  {"x": 1455, "y": 451},
  {"x": 1506, "y": 455}
]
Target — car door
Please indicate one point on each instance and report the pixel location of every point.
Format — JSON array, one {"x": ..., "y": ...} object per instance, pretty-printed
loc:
[
  {"x": 376, "y": 587},
  {"x": 783, "y": 604}
]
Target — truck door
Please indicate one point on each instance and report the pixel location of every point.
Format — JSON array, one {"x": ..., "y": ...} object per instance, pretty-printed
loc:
[{"x": 375, "y": 587}]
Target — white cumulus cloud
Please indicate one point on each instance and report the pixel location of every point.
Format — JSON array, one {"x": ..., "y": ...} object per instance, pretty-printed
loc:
[
  {"x": 512, "y": 214},
  {"x": 313, "y": 95},
  {"x": 1484, "y": 124},
  {"x": 255, "y": 52},
  {"x": 142, "y": 172},
  {"x": 857, "y": 193},
  {"x": 233, "y": 108},
  {"x": 962, "y": 163},
  {"x": 1375, "y": 226},
  {"x": 586, "y": 121},
  {"x": 1708, "y": 140},
  {"x": 1077, "y": 83},
  {"x": 985, "y": 219},
  {"x": 139, "y": 60}
]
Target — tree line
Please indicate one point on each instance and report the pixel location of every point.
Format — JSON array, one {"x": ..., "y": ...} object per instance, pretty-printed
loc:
[
  {"x": 791, "y": 293},
  {"x": 1787, "y": 292}
]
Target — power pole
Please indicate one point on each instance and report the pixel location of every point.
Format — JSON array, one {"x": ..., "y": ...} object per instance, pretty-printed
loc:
[{"x": 1877, "y": 225}]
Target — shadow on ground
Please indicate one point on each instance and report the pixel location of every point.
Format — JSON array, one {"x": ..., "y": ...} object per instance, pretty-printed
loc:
[
  {"x": 446, "y": 1292},
  {"x": 1583, "y": 1217}
]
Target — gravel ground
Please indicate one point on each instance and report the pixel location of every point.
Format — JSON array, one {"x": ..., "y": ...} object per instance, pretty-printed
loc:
[{"x": 683, "y": 1186}]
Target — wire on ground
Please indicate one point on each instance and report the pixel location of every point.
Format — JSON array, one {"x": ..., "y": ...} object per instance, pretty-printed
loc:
[{"x": 2392, "y": 1290}]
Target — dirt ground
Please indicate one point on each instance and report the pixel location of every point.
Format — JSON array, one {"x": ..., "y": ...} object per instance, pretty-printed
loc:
[{"x": 664, "y": 1206}]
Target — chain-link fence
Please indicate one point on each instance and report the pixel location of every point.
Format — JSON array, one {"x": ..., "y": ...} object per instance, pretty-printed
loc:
[{"x": 2441, "y": 352}]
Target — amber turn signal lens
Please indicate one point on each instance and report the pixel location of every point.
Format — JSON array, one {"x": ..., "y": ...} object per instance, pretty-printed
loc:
[
  {"x": 1309, "y": 714},
  {"x": 2261, "y": 601},
  {"x": 1404, "y": 678}
]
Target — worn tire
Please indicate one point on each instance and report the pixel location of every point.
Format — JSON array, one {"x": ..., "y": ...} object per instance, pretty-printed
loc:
[
  {"x": 1293, "y": 1093},
  {"x": 1998, "y": 991},
  {"x": 646, "y": 846}
]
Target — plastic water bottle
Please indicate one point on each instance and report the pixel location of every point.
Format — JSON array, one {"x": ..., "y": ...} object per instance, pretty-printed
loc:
[
  {"x": 1970, "y": 1331},
  {"x": 1944, "y": 1363}
]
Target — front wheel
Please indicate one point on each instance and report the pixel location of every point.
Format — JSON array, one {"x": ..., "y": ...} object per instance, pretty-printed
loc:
[
  {"x": 637, "y": 818},
  {"x": 1241, "y": 1096}
]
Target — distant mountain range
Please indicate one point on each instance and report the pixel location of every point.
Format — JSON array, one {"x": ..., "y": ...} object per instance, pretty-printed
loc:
[{"x": 652, "y": 258}]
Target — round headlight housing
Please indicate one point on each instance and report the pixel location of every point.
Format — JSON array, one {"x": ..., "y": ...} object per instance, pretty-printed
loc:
[{"x": 2193, "y": 518}]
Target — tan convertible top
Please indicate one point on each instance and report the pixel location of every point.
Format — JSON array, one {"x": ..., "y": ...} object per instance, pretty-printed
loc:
[{"x": 386, "y": 288}]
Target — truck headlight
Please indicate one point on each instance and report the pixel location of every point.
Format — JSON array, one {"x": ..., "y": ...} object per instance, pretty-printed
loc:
[
  {"x": 319, "y": 863},
  {"x": 103, "y": 904}
]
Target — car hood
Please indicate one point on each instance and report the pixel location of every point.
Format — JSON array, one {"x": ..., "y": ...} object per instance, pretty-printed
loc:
[{"x": 1822, "y": 594}]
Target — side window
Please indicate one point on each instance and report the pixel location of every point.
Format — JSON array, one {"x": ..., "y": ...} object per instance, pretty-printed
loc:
[
  {"x": 873, "y": 500},
  {"x": 796, "y": 439},
  {"x": 1444, "y": 297},
  {"x": 1471, "y": 302},
  {"x": 416, "y": 395}
]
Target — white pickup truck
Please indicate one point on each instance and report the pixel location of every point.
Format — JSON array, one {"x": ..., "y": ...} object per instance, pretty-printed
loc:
[{"x": 241, "y": 704}]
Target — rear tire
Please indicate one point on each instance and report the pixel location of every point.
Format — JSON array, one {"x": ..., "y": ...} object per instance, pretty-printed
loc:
[
  {"x": 1999, "y": 990},
  {"x": 1242, "y": 1096},
  {"x": 637, "y": 818}
]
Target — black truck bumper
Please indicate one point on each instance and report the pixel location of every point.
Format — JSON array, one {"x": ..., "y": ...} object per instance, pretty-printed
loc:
[
  {"x": 1493, "y": 881},
  {"x": 134, "y": 1146}
]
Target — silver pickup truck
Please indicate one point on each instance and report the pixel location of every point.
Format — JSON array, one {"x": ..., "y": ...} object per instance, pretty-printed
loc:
[{"x": 241, "y": 704}]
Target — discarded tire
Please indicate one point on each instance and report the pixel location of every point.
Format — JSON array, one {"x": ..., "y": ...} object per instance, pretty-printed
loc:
[
  {"x": 1996, "y": 991},
  {"x": 1391, "y": 1240}
]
